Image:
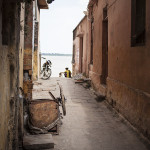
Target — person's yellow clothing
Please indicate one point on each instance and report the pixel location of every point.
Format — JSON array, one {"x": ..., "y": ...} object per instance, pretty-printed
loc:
[{"x": 68, "y": 74}]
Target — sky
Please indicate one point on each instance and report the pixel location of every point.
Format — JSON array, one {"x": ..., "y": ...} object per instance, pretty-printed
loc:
[{"x": 57, "y": 24}]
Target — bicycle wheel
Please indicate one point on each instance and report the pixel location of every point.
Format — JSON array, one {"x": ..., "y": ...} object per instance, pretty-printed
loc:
[{"x": 46, "y": 74}]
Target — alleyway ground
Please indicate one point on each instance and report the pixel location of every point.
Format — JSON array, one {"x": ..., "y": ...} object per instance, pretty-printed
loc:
[{"x": 88, "y": 125}]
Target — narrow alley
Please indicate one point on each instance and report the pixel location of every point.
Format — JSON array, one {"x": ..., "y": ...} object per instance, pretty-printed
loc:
[
  {"x": 45, "y": 45},
  {"x": 88, "y": 125}
]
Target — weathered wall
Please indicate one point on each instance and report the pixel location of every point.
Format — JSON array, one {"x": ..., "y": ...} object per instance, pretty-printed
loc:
[
  {"x": 85, "y": 38},
  {"x": 32, "y": 46},
  {"x": 21, "y": 52},
  {"x": 36, "y": 6},
  {"x": 21, "y": 57},
  {"x": 128, "y": 80},
  {"x": 0, "y": 24},
  {"x": 75, "y": 67},
  {"x": 9, "y": 67},
  {"x": 36, "y": 43},
  {"x": 80, "y": 48},
  {"x": 4, "y": 96},
  {"x": 28, "y": 38},
  {"x": 36, "y": 52},
  {"x": 127, "y": 87},
  {"x": 96, "y": 67},
  {"x": 27, "y": 64}
]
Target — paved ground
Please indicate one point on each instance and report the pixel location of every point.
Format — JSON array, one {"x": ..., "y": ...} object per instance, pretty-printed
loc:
[{"x": 89, "y": 125}]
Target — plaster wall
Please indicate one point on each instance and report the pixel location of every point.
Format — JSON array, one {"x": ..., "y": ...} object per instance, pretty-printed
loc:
[
  {"x": 127, "y": 87},
  {"x": 81, "y": 32},
  {"x": 0, "y": 24},
  {"x": 9, "y": 80},
  {"x": 21, "y": 57},
  {"x": 4, "y": 90},
  {"x": 36, "y": 45},
  {"x": 36, "y": 52},
  {"x": 4, "y": 96},
  {"x": 39, "y": 50},
  {"x": 85, "y": 48},
  {"x": 21, "y": 51},
  {"x": 95, "y": 72},
  {"x": 28, "y": 37},
  {"x": 128, "y": 78},
  {"x": 131, "y": 63},
  {"x": 76, "y": 55},
  {"x": 75, "y": 66}
]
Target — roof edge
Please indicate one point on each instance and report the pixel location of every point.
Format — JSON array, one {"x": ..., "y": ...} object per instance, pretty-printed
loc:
[{"x": 80, "y": 22}]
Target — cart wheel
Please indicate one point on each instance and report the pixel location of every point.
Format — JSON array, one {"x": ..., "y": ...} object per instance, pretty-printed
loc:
[
  {"x": 63, "y": 105},
  {"x": 63, "y": 101}
]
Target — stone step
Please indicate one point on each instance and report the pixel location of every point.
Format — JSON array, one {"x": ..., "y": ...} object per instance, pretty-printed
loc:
[{"x": 38, "y": 142}]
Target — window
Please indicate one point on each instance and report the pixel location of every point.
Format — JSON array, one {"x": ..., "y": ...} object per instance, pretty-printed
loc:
[
  {"x": 138, "y": 25},
  {"x": 104, "y": 47}
]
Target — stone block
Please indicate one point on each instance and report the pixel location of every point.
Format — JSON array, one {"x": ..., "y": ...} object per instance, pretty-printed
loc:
[{"x": 38, "y": 142}]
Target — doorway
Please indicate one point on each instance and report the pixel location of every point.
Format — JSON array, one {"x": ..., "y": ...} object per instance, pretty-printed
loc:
[
  {"x": 81, "y": 54},
  {"x": 104, "y": 47}
]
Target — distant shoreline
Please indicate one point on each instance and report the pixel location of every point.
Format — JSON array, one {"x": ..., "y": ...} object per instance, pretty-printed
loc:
[{"x": 55, "y": 54}]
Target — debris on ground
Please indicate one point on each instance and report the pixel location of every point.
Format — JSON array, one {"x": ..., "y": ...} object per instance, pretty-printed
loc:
[
  {"x": 80, "y": 79},
  {"x": 78, "y": 76}
]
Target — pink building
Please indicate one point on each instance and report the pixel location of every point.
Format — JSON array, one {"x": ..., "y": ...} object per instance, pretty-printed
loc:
[{"x": 116, "y": 56}]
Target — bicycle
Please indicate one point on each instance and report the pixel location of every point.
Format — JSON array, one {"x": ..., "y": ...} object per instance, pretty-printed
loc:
[{"x": 46, "y": 70}]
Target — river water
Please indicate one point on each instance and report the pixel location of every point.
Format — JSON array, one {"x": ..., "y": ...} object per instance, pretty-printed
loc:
[{"x": 59, "y": 63}]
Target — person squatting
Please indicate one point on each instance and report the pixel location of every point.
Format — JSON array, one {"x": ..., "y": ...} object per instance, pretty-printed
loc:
[{"x": 67, "y": 73}]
